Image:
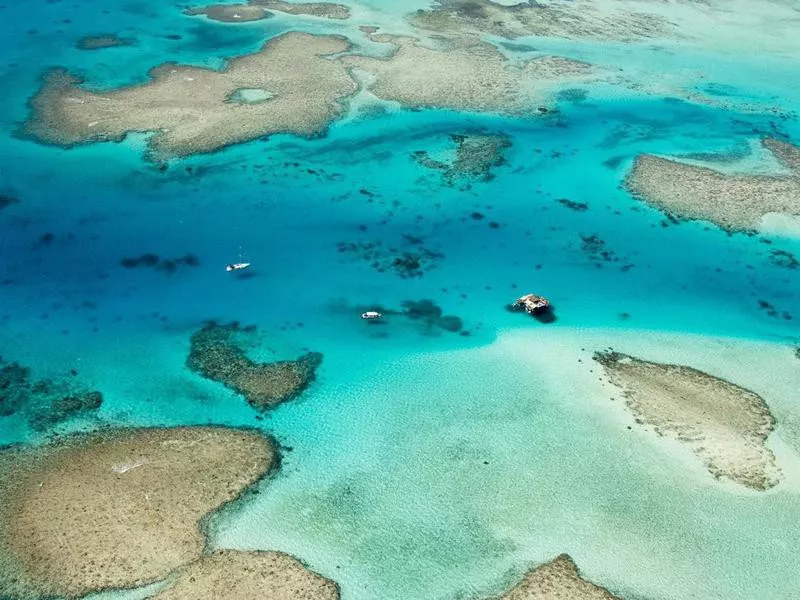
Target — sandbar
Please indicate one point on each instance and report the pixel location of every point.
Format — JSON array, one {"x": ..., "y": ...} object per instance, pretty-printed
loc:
[
  {"x": 119, "y": 508},
  {"x": 188, "y": 109},
  {"x": 463, "y": 74},
  {"x": 574, "y": 19},
  {"x": 216, "y": 353},
  {"x": 235, "y": 575},
  {"x": 725, "y": 425},
  {"x": 557, "y": 580},
  {"x": 734, "y": 202}
]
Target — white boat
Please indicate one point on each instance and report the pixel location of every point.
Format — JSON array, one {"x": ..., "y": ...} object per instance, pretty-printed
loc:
[
  {"x": 236, "y": 266},
  {"x": 371, "y": 314}
]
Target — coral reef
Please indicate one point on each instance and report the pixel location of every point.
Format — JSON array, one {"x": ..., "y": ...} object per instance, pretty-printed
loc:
[
  {"x": 119, "y": 508},
  {"x": 735, "y": 202},
  {"x": 236, "y": 575},
  {"x": 557, "y": 580},
  {"x": 44, "y": 403},
  {"x": 189, "y": 108},
  {"x": 475, "y": 157},
  {"x": 723, "y": 424},
  {"x": 215, "y": 353},
  {"x": 98, "y": 42}
]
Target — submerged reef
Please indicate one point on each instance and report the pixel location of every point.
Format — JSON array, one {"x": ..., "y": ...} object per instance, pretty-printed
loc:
[
  {"x": 328, "y": 10},
  {"x": 476, "y": 155},
  {"x": 463, "y": 74},
  {"x": 98, "y": 42},
  {"x": 725, "y": 425},
  {"x": 410, "y": 259},
  {"x": 189, "y": 108},
  {"x": 557, "y": 580},
  {"x": 574, "y": 19},
  {"x": 216, "y": 353},
  {"x": 735, "y": 202},
  {"x": 236, "y": 575},
  {"x": 119, "y": 508},
  {"x": 44, "y": 402},
  {"x": 6, "y": 201},
  {"x": 153, "y": 261}
]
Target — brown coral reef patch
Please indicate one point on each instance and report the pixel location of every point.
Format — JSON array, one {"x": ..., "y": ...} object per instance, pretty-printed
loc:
[
  {"x": 735, "y": 202},
  {"x": 235, "y": 575},
  {"x": 723, "y": 424},
  {"x": 464, "y": 74},
  {"x": 230, "y": 13},
  {"x": 557, "y": 580},
  {"x": 116, "y": 509},
  {"x": 476, "y": 155},
  {"x": 98, "y": 42},
  {"x": 216, "y": 353},
  {"x": 188, "y": 108},
  {"x": 256, "y": 10},
  {"x": 574, "y": 19}
]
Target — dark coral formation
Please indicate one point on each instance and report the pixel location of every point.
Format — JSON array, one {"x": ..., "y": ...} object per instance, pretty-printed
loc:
[
  {"x": 476, "y": 155},
  {"x": 785, "y": 259},
  {"x": 573, "y": 205},
  {"x": 216, "y": 353},
  {"x": 44, "y": 402},
  {"x": 431, "y": 315},
  {"x": 6, "y": 201},
  {"x": 98, "y": 42},
  {"x": 597, "y": 250},
  {"x": 153, "y": 261},
  {"x": 410, "y": 259}
]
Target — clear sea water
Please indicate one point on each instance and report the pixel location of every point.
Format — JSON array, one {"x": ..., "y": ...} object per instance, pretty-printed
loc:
[{"x": 423, "y": 467}]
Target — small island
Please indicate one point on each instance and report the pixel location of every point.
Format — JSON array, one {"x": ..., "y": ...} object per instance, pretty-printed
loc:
[
  {"x": 734, "y": 202},
  {"x": 118, "y": 508},
  {"x": 236, "y": 575},
  {"x": 216, "y": 354},
  {"x": 725, "y": 425},
  {"x": 557, "y": 580}
]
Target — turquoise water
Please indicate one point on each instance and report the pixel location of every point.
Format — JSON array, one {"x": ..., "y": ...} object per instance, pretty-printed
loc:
[{"x": 387, "y": 489}]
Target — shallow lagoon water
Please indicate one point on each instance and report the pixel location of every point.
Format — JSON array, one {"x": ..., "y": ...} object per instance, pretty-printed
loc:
[{"x": 387, "y": 489}]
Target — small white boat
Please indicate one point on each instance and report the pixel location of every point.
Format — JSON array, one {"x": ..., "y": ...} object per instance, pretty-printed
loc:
[
  {"x": 236, "y": 266},
  {"x": 371, "y": 315}
]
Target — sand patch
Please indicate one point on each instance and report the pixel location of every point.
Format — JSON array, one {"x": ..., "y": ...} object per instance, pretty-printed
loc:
[
  {"x": 216, "y": 353},
  {"x": 463, "y": 74},
  {"x": 736, "y": 202},
  {"x": 723, "y": 424},
  {"x": 116, "y": 509},
  {"x": 188, "y": 108},
  {"x": 237, "y": 575},
  {"x": 557, "y": 580},
  {"x": 574, "y": 19}
]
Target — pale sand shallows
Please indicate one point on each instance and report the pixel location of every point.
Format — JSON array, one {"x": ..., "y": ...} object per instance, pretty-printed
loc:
[
  {"x": 557, "y": 580},
  {"x": 576, "y": 19},
  {"x": 235, "y": 575},
  {"x": 723, "y": 424},
  {"x": 463, "y": 75},
  {"x": 736, "y": 202},
  {"x": 188, "y": 108},
  {"x": 117, "y": 509}
]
